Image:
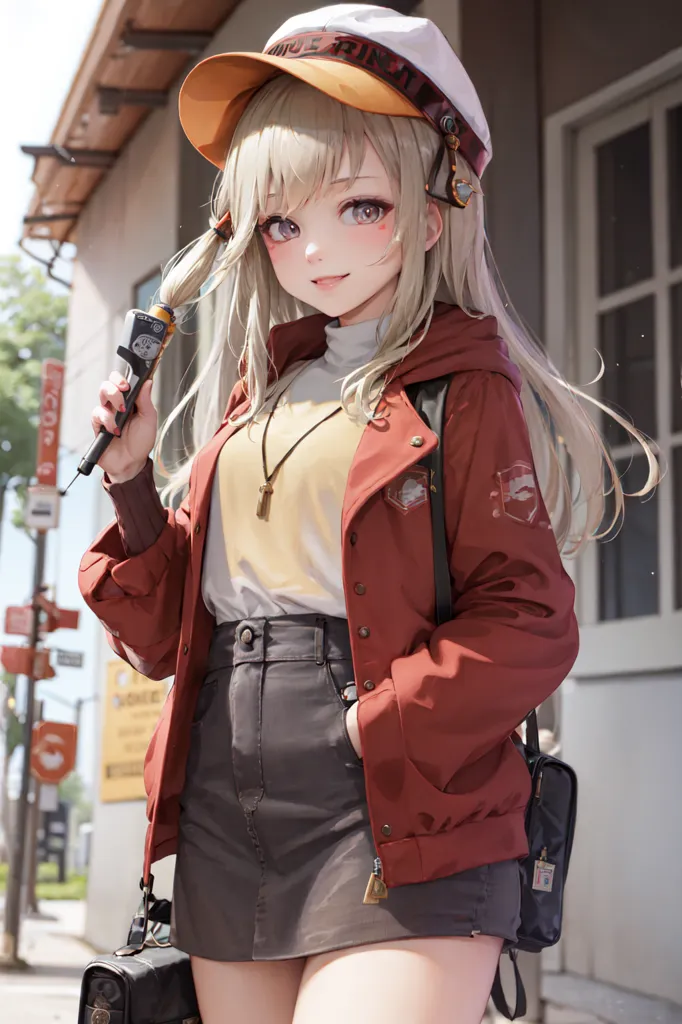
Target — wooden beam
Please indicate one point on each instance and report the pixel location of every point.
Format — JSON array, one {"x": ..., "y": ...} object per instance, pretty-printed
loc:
[
  {"x": 157, "y": 39},
  {"x": 74, "y": 157},
  {"x": 111, "y": 100},
  {"x": 45, "y": 218},
  {"x": 110, "y": 23}
]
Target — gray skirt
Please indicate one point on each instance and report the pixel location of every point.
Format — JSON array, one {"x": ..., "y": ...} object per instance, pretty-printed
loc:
[{"x": 275, "y": 848}]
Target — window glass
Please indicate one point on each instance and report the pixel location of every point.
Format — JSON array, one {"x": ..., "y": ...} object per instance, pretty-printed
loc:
[
  {"x": 675, "y": 184},
  {"x": 676, "y": 355},
  {"x": 145, "y": 292},
  {"x": 677, "y": 526},
  {"x": 629, "y": 561},
  {"x": 624, "y": 210},
  {"x": 628, "y": 347}
]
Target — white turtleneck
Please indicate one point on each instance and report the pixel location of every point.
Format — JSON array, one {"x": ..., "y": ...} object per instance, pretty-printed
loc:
[{"x": 291, "y": 562}]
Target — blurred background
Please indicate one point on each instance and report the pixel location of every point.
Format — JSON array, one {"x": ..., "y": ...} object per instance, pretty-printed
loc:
[{"x": 584, "y": 199}]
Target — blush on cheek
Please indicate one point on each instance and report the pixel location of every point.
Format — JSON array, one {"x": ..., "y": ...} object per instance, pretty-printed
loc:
[{"x": 273, "y": 249}]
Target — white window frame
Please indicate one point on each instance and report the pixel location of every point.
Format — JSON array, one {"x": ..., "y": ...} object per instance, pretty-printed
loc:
[{"x": 645, "y": 643}]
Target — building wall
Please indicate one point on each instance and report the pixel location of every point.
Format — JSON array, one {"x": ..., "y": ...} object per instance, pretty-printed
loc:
[
  {"x": 617, "y": 929},
  {"x": 503, "y": 66},
  {"x": 587, "y": 45},
  {"x": 623, "y": 922},
  {"x": 618, "y": 732},
  {"x": 128, "y": 229},
  {"x": 529, "y": 60}
]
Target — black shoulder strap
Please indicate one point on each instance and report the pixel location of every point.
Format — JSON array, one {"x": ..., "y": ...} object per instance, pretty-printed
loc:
[
  {"x": 499, "y": 998},
  {"x": 428, "y": 398}
]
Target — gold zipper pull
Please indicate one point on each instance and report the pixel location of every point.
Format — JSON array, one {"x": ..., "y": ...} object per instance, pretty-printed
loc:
[{"x": 376, "y": 887}]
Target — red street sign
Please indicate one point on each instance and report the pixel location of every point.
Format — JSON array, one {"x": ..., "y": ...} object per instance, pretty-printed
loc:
[
  {"x": 52, "y": 384},
  {"x": 26, "y": 661},
  {"x": 53, "y": 751},
  {"x": 57, "y": 618},
  {"x": 41, "y": 666},
  {"x": 19, "y": 620}
]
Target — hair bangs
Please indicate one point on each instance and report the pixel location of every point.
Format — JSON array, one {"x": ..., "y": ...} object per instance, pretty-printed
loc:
[{"x": 290, "y": 143}]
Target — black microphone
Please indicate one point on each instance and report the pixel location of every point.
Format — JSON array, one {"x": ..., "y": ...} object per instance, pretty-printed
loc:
[{"x": 145, "y": 336}]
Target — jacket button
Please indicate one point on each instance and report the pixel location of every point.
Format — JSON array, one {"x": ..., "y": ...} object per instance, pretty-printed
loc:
[
  {"x": 246, "y": 636},
  {"x": 368, "y": 684},
  {"x": 364, "y": 632},
  {"x": 353, "y": 538},
  {"x": 185, "y": 648},
  {"x": 197, "y": 528},
  {"x": 360, "y": 588},
  {"x": 417, "y": 441},
  {"x": 386, "y": 829}
]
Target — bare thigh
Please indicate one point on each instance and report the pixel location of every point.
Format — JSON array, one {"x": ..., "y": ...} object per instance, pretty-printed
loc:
[
  {"x": 247, "y": 993},
  {"x": 409, "y": 981}
]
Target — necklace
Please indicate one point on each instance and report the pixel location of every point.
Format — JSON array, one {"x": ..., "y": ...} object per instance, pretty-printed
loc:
[{"x": 266, "y": 489}]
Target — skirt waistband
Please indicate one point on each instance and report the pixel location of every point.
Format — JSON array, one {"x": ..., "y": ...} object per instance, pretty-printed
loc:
[{"x": 315, "y": 638}]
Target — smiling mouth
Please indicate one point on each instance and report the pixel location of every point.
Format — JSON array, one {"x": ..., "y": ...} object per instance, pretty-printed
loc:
[{"x": 329, "y": 282}]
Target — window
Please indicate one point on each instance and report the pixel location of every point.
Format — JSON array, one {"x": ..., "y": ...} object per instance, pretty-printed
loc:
[
  {"x": 629, "y": 308},
  {"x": 145, "y": 291}
]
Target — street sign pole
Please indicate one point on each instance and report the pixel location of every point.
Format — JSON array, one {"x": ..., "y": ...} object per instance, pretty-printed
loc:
[
  {"x": 31, "y": 901},
  {"x": 14, "y": 882},
  {"x": 51, "y": 387}
]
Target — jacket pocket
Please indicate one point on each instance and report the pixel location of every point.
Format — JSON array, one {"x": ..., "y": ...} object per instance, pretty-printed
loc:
[{"x": 344, "y": 671}]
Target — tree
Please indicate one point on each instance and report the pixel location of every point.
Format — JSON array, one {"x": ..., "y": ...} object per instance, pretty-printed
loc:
[
  {"x": 74, "y": 792},
  {"x": 32, "y": 328}
]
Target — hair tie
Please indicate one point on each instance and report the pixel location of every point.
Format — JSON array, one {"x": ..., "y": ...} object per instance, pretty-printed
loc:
[{"x": 224, "y": 222}]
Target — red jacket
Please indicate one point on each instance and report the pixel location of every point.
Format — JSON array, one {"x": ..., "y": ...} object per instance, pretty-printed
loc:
[{"x": 446, "y": 787}]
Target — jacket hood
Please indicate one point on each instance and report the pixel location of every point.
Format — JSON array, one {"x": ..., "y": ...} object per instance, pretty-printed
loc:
[{"x": 454, "y": 343}]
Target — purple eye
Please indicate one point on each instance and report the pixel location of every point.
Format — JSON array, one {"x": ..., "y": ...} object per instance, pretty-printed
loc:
[
  {"x": 364, "y": 211},
  {"x": 279, "y": 230}
]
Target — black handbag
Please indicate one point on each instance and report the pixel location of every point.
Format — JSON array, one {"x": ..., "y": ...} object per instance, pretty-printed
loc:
[
  {"x": 147, "y": 981},
  {"x": 551, "y": 812}
]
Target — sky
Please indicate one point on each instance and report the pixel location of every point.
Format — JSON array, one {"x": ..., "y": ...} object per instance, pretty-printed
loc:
[{"x": 43, "y": 41}]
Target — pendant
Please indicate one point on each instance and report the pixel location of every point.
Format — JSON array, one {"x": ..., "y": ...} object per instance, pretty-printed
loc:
[{"x": 263, "y": 507}]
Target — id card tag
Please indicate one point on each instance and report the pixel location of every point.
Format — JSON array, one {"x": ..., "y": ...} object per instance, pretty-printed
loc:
[{"x": 543, "y": 875}]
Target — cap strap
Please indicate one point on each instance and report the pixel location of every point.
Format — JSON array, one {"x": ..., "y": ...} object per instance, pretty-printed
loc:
[
  {"x": 397, "y": 72},
  {"x": 457, "y": 191}
]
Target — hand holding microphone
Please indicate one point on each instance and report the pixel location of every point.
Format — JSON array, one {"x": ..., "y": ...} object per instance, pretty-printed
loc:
[
  {"x": 127, "y": 453},
  {"x": 125, "y": 421}
]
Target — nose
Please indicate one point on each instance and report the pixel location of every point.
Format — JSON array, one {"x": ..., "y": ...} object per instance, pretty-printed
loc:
[{"x": 313, "y": 253}]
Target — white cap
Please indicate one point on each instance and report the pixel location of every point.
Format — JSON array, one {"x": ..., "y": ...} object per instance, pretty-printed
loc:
[
  {"x": 416, "y": 40},
  {"x": 371, "y": 58}
]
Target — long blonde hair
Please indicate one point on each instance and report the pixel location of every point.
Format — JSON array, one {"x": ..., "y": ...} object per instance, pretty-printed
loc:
[{"x": 290, "y": 142}]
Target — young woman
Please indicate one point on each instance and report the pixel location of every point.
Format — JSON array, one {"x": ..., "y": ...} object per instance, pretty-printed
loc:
[{"x": 335, "y": 773}]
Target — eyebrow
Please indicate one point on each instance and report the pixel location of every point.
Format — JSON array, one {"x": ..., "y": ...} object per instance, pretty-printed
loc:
[
  {"x": 337, "y": 181},
  {"x": 360, "y": 177}
]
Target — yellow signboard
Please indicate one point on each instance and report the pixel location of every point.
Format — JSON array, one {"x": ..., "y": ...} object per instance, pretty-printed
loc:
[{"x": 130, "y": 711}]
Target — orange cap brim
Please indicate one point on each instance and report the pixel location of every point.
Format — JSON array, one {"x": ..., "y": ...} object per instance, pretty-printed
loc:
[{"x": 217, "y": 91}]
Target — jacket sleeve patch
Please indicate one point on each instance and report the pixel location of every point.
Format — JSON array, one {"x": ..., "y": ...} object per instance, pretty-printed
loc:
[
  {"x": 409, "y": 490},
  {"x": 518, "y": 493}
]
